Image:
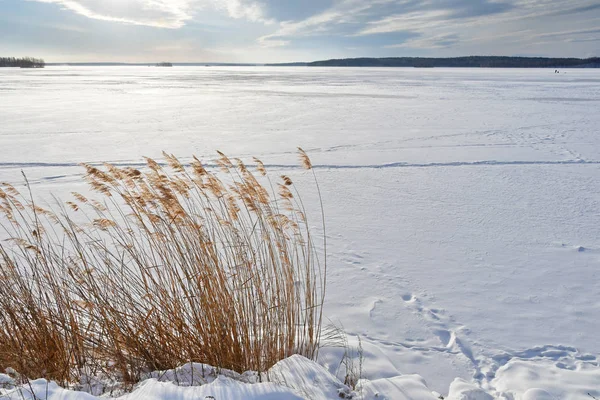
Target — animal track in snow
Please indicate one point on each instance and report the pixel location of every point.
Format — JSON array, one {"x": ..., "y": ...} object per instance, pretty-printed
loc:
[{"x": 409, "y": 298}]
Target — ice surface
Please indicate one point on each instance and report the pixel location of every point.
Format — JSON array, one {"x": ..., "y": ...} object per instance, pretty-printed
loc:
[{"x": 458, "y": 201}]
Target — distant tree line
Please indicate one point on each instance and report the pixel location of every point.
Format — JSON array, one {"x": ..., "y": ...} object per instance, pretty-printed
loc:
[
  {"x": 25, "y": 62},
  {"x": 468, "y": 62}
]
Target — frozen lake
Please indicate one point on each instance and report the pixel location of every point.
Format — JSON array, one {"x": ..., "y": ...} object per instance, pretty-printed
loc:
[{"x": 463, "y": 205}]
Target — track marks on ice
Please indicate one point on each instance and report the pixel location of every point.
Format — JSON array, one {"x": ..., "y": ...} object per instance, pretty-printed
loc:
[
  {"x": 446, "y": 330},
  {"x": 450, "y": 338},
  {"x": 441, "y": 339},
  {"x": 564, "y": 357},
  {"x": 399, "y": 164}
]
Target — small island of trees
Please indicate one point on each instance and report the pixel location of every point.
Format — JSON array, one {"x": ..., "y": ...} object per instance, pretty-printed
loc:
[
  {"x": 164, "y": 64},
  {"x": 25, "y": 62}
]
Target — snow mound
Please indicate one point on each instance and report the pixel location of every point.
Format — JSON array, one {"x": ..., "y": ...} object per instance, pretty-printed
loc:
[
  {"x": 407, "y": 387},
  {"x": 548, "y": 380},
  {"x": 222, "y": 388},
  {"x": 313, "y": 381},
  {"x": 294, "y": 378},
  {"x": 198, "y": 374},
  {"x": 298, "y": 378},
  {"x": 308, "y": 378},
  {"x": 462, "y": 390},
  {"x": 44, "y": 390},
  {"x": 538, "y": 394},
  {"x": 6, "y": 382}
]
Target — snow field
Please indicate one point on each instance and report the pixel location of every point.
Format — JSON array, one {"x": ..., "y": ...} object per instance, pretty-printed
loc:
[{"x": 462, "y": 206}]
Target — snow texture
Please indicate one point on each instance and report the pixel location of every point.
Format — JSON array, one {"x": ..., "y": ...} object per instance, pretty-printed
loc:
[
  {"x": 220, "y": 388},
  {"x": 462, "y": 205}
]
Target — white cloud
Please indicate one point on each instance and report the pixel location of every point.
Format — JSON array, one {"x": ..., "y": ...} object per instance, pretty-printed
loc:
[
  {"x": 313, "y": 25},
  {"x": 428, "y": 42},
  {"x": 160, "y": 13},
  {"x": 417, "y": 21},
  {"x": 438, "y": 24},
  {"x": 241, "y": 9},
  {"x": 451, "y": 27},
  {"x": 266, "y": 41},
  {"x": 519, "y": 26},
  {"x": 343, "y": 12}
]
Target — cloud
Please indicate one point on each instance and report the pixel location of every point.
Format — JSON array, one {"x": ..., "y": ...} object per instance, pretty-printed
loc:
[
  {"x": 354, "y": 18},
  {"x": 160, "y": 13},
  {"x": 438, "y": 24},
  {"x": 416, "y": 21},
  {"x": 570, "y": 33},
  {"x": 344, "y": 28},
  {"x": 344, "y": 13},
  {"x": 429, "y": 42},
  {"x": 240, "y": 9}
]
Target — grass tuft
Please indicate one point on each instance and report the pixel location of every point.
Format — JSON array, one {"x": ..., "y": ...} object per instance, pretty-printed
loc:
[{"x": 162, "y": 266}]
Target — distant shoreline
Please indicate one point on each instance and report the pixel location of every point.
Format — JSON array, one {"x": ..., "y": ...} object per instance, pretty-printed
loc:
[
  {"x": 394, "y": 62},
  {"x": 463, "y": 62}
]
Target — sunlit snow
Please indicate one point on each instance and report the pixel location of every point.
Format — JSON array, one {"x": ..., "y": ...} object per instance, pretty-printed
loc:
[{"x": 462, "y": 205}]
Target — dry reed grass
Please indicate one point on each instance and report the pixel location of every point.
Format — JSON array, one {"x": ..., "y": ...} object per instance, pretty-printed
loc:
[{"x": 173, "y": 264}]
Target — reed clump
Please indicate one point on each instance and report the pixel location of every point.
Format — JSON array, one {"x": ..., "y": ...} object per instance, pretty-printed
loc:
[{"x": 160, "y": 266}]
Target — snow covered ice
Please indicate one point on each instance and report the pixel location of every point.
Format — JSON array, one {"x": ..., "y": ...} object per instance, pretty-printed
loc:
[{"x": 462, "y": 205}]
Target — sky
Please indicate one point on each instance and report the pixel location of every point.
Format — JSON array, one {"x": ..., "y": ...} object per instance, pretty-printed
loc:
[{"x": 265, "y": 31}]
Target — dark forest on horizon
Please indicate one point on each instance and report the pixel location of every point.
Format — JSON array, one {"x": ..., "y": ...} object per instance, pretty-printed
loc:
[
  {"x": 464, "y": 62},
  {"x": 25, "y": 62}
]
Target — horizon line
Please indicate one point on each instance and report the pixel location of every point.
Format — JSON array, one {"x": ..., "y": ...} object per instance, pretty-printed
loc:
[{"x": 309, "y": 62}]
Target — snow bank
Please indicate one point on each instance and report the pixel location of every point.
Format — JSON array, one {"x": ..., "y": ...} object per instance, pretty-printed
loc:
[
  {"x": 409, "y": 387},
  {"x": 297, "y": 378},
  {"x": 313, "y": 381},
  {"x": 220, "y": 389},
  {"x": 545, "y": 380},
  {"x": 44, "y": 390},
  {"x": 6, "y": 382},
  {"x": 308, "y": 378},
  {"x": 462, "y": 390}
]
